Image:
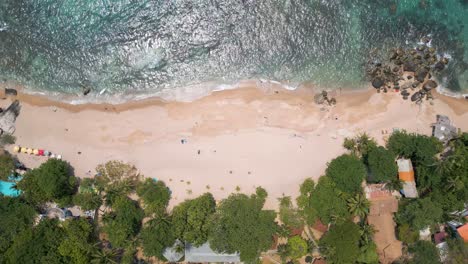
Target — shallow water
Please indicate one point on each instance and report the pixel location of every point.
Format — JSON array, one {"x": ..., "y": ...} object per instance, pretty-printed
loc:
[{"x": 126, "y": 47}]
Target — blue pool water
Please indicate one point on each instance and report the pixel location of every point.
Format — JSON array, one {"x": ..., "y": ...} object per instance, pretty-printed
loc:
[{"x": 6, "y": 188}]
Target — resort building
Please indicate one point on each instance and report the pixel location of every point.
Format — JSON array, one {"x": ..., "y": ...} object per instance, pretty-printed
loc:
[
  {"x": 204, "y": 253},
  {"x": 441, "y": 244},
  {"x": 201, "y": 254},
  {"x": 443, "y": 129},
  {"x": 463, "y": 232},
  {"x": 406, "y": 175},
  {"x": 383, "y": 206}
]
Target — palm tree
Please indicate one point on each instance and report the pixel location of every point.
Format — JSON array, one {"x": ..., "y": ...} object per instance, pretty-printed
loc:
[
  {"x": 358, "y": 205},
  {"x": 104, "y": 256},
  {"x": 367, "y": 231}
]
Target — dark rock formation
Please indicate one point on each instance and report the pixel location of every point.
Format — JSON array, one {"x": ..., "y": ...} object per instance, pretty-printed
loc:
[{"x": 8, "y": 117}]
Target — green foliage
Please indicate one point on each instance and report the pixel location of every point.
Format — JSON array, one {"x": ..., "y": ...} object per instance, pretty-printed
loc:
[
  {"x": 382, "y": 165},
  {"x": 118, "y": 189},
  {"x": 104, "y": 256},
  {"x": 419, "y": 213},
  {"x": 340, "y": 245},
  {"x": 458, "y": 251},
  {"x": 368, "y": 254},
  {"x": 288, "y": 214},
  {"x": 116, "y": 171},
  {"x": 7, "y": 139},
  {"x": 304, "y": 201},
  {"x": 87, "y": 201},
  {"x": 7, "y": 166},
  {"x": 327, "y": 202},
  {"x": 453, "y": 170},
  {"x": 51, "y": 181},
  {"x": 78, "y": 245},
  {"x": 296, "y": 247},
  {"x": 191, "y": 219},
  {"x": 282, "y": 251},
  {"x": 360, "y": 146},
  {"x": 348, "y": 172},
  {"x": 15, "y": 217},
  {"x": 38, "y": 245},
  {"x": 155, "y": 196},
  {"x": 156, "y": 235},
  {"x": 424, "y": 252},
  {"x": 358, "y": 205},
  {"x": 123, "y": 223},
  {"x": 366, "y": 231},
  {"x": 420, "y": 149},
  {"x": 406, "y": 235},
  {"x": 240, "y": 225}
]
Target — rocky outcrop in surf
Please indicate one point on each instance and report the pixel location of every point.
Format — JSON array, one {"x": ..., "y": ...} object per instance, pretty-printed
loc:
[{"x": 8, "y": 118}]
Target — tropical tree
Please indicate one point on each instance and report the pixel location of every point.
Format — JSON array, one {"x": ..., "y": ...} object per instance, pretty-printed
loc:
[
  {"x": 406, "y": 235},
  {"x": 115, "y": 171},
  {"x": 88, "y": 201},
  {"x": 419, "y": 213},
  {"x": 123, "y": 223},
  {"x": 155, "y": 196},
  {"x": 288, "y": 214},
  {"x": 39, "y": 243},
  {"x": 424, "y": 252},
  {"x": 15, "y": 217},
  {"x": 382, "y": 165},
  {"x": 240, "y": 225},
  {"x": 296, "y": 247},
  {"x": 360, "y": 145},
  {"x": 348, "y": 172},
  {"x": 51, "y": 181},
  {"x": 191, "y": 219},
  {"x": 156, "y": 235},
  {"x": 341, "y": 243},
  {"x": 366, "y": 231},
  {"x": 79, "y": 240},
  {"x": 304, "y": 201},
  {"x": 327, "y": 203},
  {"x": 104, "y": 256},
  {"x": 7, "y": 166},
  {"x": 358, "y": 205}
]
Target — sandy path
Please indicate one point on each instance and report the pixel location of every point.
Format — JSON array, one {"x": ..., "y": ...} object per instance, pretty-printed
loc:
[{"x": 246, "y": 137}]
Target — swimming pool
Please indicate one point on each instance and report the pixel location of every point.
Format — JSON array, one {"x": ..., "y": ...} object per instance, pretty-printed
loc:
[{"x": 6, "y": 188}]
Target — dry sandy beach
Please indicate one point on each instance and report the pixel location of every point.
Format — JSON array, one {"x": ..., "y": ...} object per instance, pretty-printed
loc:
[{"x": 247, "y": 137}]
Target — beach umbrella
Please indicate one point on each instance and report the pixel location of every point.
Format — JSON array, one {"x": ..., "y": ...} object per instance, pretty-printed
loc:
[
  {"x": 17, "y": 149},
  {"x": 59, "y": 156},
  {"x": 41, "y": 152},
  {"x": 30, "y": 151},
  {"x": 24, "y": 150},
  {"x": 35, "y": 151},
  {"x": 46, "y": 153},
  {"x": 52, "y": 156}
]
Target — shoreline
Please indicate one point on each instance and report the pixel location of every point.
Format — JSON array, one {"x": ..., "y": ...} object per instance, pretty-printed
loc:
[{"x": 247, "y": 137}]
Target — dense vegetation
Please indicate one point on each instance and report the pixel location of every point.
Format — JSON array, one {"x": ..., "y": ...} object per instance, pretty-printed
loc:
[
  {"x": 241, "y": 225},
  {"x": 132, "y": 212}
]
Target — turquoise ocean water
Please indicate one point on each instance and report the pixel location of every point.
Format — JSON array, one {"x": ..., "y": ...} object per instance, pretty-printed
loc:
[{"x": 138, "y": 47}]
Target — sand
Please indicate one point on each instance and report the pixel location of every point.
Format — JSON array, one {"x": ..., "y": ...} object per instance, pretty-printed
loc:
[{"x": 247, "y": 137}]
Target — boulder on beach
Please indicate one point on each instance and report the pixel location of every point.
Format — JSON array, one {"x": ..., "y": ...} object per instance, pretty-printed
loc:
[
  {"x": 12, "y": 92},
  {"x": 429, "y": 85},
  {"x": 377, "y": 82},
  {"x": 417, "y": 96},
  {"x": 409, "y": 66},
  {"x": 421, "y": 74}
]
